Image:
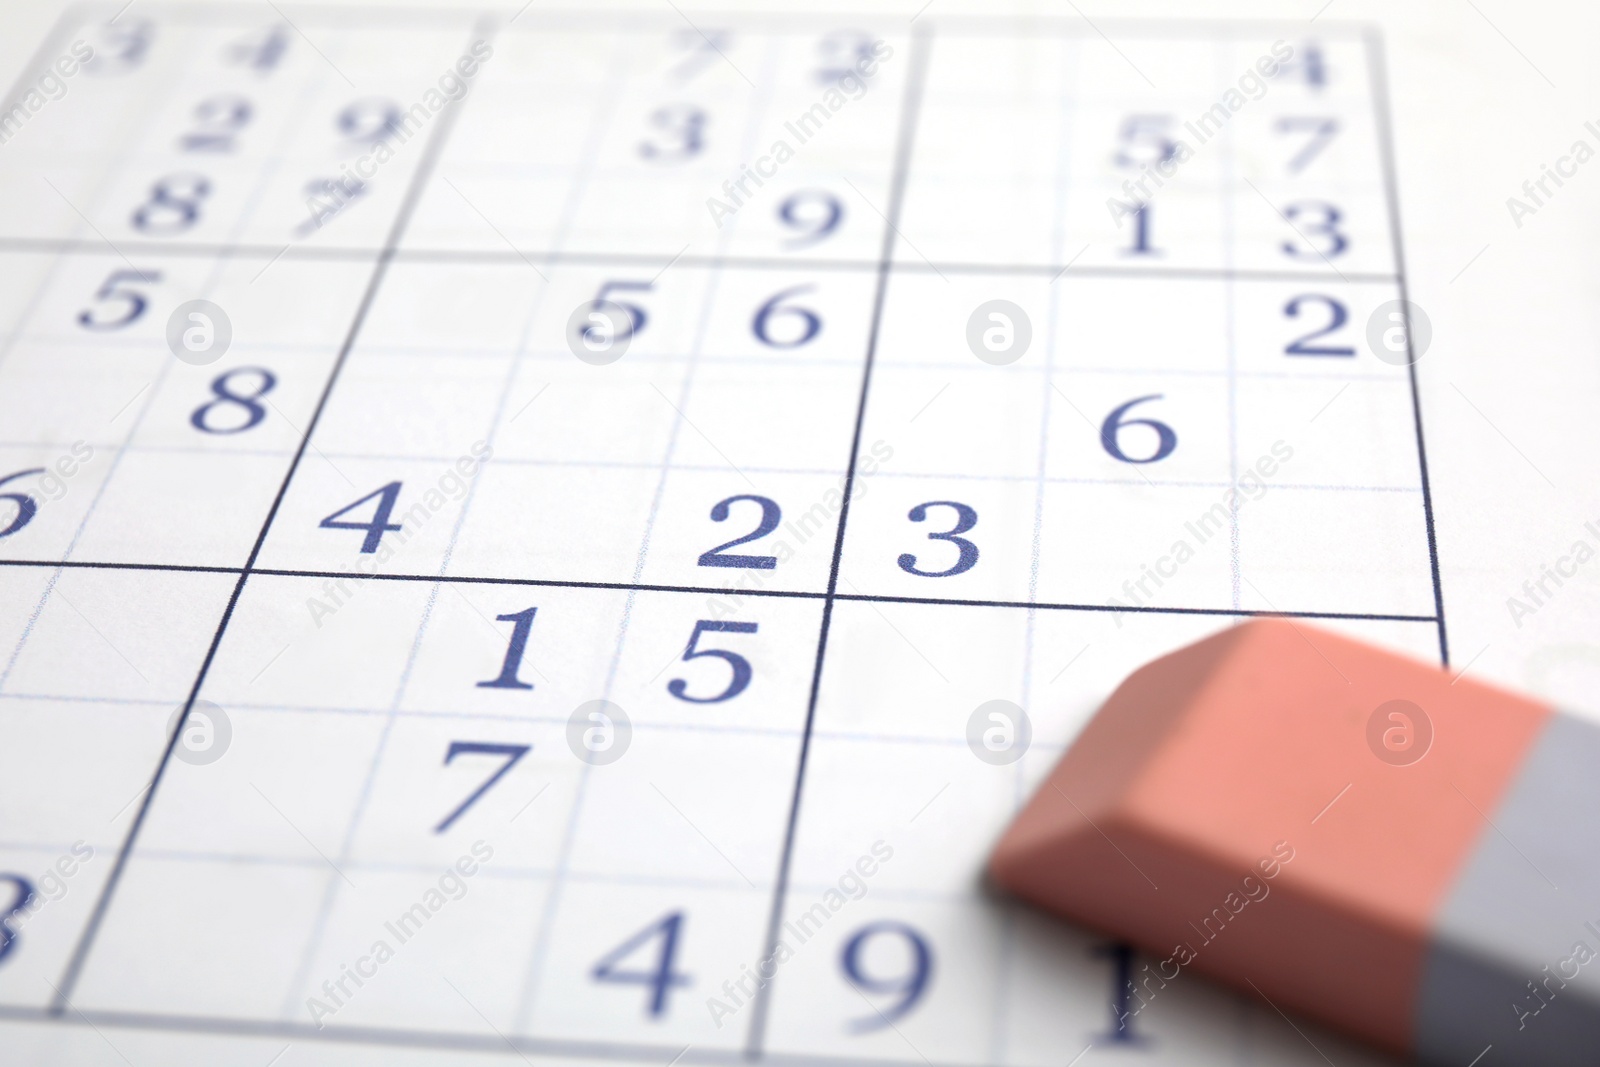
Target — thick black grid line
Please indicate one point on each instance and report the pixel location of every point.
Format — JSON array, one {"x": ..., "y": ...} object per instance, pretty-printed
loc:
[
  {"x": 921, "y": 40},
  {"x": 713, "y": 590},
  {"x": 1378, "y": 73},
  {"x": 648, "y": 261},
  {"x": 74, "y": 969}
]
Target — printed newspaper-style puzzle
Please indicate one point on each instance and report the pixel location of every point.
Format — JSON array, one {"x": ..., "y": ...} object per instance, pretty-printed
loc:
[{"x": 574, "y": 533}]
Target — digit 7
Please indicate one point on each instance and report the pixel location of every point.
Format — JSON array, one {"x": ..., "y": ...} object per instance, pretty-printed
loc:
[{"x": 512, "y": 753}]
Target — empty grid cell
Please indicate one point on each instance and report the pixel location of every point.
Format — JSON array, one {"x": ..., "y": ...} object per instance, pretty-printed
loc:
[
  {"x": 1353, "y": 548},
  {"x": 226, "y": 921},
  {"x": 431, "y": 949}
]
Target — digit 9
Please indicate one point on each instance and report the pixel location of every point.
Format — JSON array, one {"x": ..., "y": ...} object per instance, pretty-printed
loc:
[
  {"x": 812, "y": 214},
  {"x": 908, "y": 982}
]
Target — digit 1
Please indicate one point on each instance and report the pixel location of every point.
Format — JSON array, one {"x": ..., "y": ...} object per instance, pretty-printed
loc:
[
  {"x": 1121, "y": 956},
  {"x": 513, "y": 661},
  {"x": 1141, "y": 233}
]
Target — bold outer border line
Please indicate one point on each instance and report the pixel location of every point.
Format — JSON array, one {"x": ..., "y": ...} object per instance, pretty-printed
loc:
[{"x": 1378, "y": 72}]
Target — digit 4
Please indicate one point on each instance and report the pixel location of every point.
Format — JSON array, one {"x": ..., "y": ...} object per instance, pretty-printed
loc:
[
  {"x": 377, "y": 526},
  {"x": 661, "y": 979}
]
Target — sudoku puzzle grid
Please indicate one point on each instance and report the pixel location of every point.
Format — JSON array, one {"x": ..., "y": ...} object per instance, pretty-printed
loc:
[{"x": 391, "y": 546}]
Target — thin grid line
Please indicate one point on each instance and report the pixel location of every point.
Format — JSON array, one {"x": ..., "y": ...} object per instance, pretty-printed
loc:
[
  {"x": 1070, "y": 51},
  {"x": 415, "y": 255},
  {"x": 399, "y": 352},
  {"x": 707, "y": 590},
  {"x": 920, "y": 44},
  {"x": 85, "y": 943},
  {"x": 394, "y": 713},
  {"x": 151, "y": 392},
  {"x": 136, "y": 133},
  {"x": 628, "y": 465},
  {"x": 530, "y": 991}
]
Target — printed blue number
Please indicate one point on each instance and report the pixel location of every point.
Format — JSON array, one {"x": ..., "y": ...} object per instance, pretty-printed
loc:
[
  {"x": 19, "y": 900},
  {"x": 683, "y": 127},
  {"x": 120, "y": 47},
  {"x": 966, "y": 519},
  {"x": 704, "y": 48},
  {"x": 1141, "y": 234},
  {"x": 1322, "y": 131},
  {"x": 1337, "y": 317},
  {"x": 1146, "y": 141},
  {"x": 217, "y": 120},
  {"x": 741, "y": 666},
  {"x": 1324, "y": 222},
  {"x": 1166, "y": 437},
  {"x": 174, "y": 204},
  {"x": 378, "y": 526},
  {"x": 843, "y": 54},
  {"x": 1122, "y": 957},
  {"x": 370, "y": 120},
  {"x": 254, "y": 412},
  {"x": 812, "y": 213},
  {"x": 810, "y": 323},
  {"x": 662, "y": 978},
  {"x": 600, "y": 329},
  {"x": 770, "y": 517},
  {"x": 114, "y": 289},
  {"x": 260, "y": 50},
  {"x": 512, "y": 754},
  {"x": 27, "y": 507},
  {"x": 908, "y": 985},
  {"x": 513, "y": 661},
  {"x": 1309, "y": 63}
]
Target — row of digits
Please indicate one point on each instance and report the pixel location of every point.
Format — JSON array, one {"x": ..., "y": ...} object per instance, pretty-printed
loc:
[
  {"x": 890, "y": 963},
  {"x": 1147, "y": 144},
  {"x": 373, "y": 515}
]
